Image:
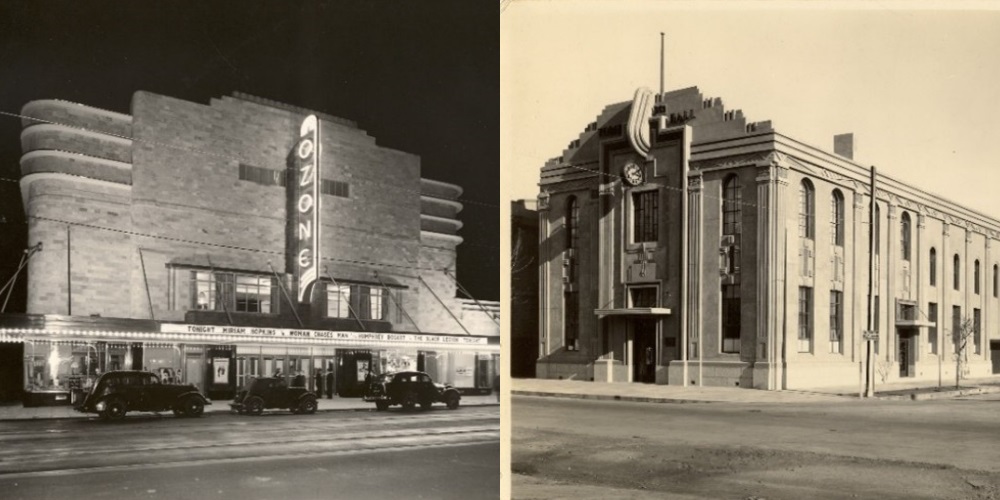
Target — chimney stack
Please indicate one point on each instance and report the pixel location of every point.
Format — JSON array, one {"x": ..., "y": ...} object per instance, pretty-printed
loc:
[{"x": 843, "y": 145}]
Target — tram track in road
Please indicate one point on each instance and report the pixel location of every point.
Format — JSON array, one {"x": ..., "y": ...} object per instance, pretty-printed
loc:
[{"x": 257, "y": 438}]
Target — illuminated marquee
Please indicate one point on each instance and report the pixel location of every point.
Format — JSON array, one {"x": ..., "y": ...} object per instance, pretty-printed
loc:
[{"x": 307, "y": 207}]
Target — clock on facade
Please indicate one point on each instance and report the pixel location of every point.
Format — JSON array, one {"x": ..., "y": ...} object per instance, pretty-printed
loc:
[{"x": 632, "y": 174}]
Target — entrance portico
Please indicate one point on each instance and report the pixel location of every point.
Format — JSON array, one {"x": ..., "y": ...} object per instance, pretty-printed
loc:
[{"x": 630, "y": 342}]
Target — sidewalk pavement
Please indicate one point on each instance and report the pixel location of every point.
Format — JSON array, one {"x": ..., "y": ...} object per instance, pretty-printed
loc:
[
  {"x": 677, "y": 394},
  {"x": 17, "y": 412}
]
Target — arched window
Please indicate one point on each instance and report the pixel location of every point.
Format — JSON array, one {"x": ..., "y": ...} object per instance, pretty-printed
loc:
[
  {"x": 572, "y": 221},
  {"x": 807, "y": 210},
  {"x": 957, "y": 273},
  {"x": 996, "y": 279},
  {"x": 975, "y": 279},
  {"x": 837, "y": 218},
  {"x": 904, "y": 235},
  {"x": 933, "y": 267}
]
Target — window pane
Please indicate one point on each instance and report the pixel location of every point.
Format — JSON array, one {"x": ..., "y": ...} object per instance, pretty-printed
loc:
[
  {"x": 645, "y": 216},
  {"x": 338, "y": 299}
]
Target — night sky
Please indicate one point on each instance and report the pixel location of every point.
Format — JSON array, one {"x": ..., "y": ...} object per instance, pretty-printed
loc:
[{"x": 421, "y": 77}]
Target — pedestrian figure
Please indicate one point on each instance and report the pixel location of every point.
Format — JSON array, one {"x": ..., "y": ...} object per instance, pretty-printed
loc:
[
  {"x": 496, "y": 385},
  {"x": 329, "y": 384},
  {"x": 277, "y": 373},
  {"x": 300, "y": 380},
  {"x": 320, "y": 378}
]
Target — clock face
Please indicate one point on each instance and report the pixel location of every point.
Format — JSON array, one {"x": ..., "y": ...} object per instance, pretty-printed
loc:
[{"x": 632, "y": 174}]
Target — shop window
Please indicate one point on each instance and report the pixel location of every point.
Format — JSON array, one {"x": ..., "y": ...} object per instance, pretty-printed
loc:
[{"x": 227, "y": 291}]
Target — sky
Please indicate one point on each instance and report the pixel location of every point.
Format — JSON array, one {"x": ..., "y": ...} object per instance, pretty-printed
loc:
[
  {"x": 917, "y": 85},
  {"x": 419, "y": 77}
]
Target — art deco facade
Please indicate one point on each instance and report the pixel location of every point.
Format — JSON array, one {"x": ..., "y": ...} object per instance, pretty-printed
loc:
[
  {"x": 236, "y": 239},
  {"x": 681, "y": 244}
]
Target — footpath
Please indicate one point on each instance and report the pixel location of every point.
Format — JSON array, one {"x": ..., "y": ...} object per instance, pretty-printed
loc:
[
  {"x": 17, "y": 412},
  {"x": 650, "y": 393}
]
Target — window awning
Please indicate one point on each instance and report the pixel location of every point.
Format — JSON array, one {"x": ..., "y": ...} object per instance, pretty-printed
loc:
[
  {"x": 634, "y": 311},
  {"x": 913, "y": 323}
]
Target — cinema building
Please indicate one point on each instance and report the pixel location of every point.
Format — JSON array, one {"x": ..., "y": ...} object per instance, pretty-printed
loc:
[
  {"x": 681, "y": 244},
  {"x": 213, "y": 243}
]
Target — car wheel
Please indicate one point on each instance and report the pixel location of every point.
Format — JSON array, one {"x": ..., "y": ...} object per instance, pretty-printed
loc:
[
  {"x": 451, "y": 400},
  {"x": 114, "y": 409},
  {"x": 254, "y": 405},
  {"x": 409, "y": 401},
  {"x": 381, "y": 405},
  {"x": 193, "y": 407},
  {"x": 307, "y": 406}
]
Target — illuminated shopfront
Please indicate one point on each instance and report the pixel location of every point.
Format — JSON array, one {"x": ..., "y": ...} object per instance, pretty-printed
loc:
[{"x": 59, "y": 363}]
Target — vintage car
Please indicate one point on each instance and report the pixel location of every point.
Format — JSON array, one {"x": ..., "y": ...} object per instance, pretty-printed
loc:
[
  {"x": 409, "y": 389},
  {"x": 273, "y": 392},
  {"x": 118, "y": 392}
]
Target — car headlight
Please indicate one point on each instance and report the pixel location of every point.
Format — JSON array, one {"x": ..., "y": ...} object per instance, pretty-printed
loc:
[{"x": 99, "y": 406}]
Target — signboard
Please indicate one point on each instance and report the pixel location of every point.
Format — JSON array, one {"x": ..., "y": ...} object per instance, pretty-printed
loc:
[
  {"x": 870, "y": 335},
  {"x": 290, "y": 334},
  {"x": 220, "y": 370},
  {"x": 307, "y": 207}
]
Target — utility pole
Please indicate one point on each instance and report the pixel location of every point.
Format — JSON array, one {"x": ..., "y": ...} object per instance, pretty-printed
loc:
[{"x": 869, "y": 334}]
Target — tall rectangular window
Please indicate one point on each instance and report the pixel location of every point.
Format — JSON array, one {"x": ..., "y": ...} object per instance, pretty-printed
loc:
[
  {"x": 956, "y": 326},
  {"x": 836, "y": 320},
  {"x": 645, "y": 216},
  {"x": 731, "y": 318},
  {"x": 805, "y": 319},
  {"x": 932, "y": 331},
  {"x": 976, "y": 324},
  {"x": 338, "y": 300},
  {"x": 376, "y": 307}
]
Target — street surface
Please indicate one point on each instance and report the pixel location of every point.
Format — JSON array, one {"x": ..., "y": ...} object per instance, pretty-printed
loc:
[
  {"x": 586, "y": 449},
  {"x": 421, "y": 454}
]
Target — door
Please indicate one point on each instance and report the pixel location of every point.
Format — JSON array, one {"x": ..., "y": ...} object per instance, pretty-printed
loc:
[
  {"x": 905, "y": 357},
  {"x": 644, "y": 351},
  {"x": 195, "y": 373},
  {"x": 995, "y": 355}
]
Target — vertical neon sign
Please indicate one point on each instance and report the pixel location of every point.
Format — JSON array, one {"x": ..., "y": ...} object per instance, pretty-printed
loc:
[{"x": 307, "y": 206}]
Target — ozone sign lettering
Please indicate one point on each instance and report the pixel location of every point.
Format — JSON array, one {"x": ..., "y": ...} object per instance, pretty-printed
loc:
[{"x": 307, "y": 207}]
